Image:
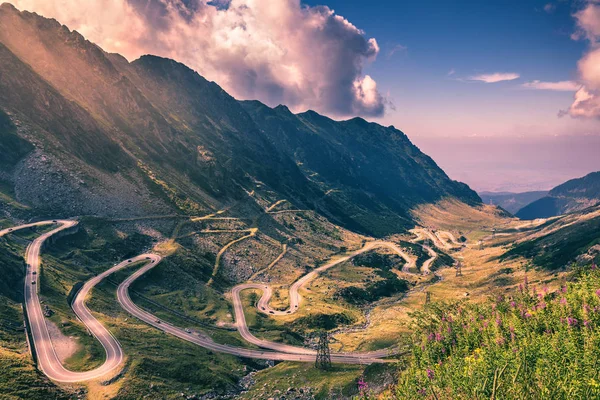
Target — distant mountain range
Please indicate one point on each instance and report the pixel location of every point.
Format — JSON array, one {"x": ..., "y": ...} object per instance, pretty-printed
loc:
[
  {"x": 88, "y": 132},
  {"x": 571, "y": 196},
  {"x": 511, "y": 202}
]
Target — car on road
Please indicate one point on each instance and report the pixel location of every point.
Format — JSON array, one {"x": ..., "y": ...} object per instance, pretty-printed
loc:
[
  {"x": 263, "y": 308},
  {"x": 158, "y": 321},
  {"x": 271, "y": 312},
  {"x": 34, "y": 272},
  {"x": 188, "y": 331},
  {"x": 128, "y": 261},
  {"x": 10, "y": 229},
  {"x": 147, "y": 258},
  {"x": 55, "y": 221},
  {"x": 33, "y": 282}
]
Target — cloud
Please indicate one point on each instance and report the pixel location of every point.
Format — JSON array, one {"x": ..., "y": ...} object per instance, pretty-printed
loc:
[
  {"x": 561, "y": 86},
  {"x": 451, "y": 72},
  {"x": 586, "y": 102},
  {"x": 396, "y": 49},
  {"x": 550, "y": 8},
  {"x": 280, "y": 52},
  {"x": 495, "y": 77},
  {"x": 588, "y": 23},
  {"x": 585, "y": 105}
]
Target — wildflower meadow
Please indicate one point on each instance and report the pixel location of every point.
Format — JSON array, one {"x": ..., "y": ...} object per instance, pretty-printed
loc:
[{"x": 533, "y": 344}]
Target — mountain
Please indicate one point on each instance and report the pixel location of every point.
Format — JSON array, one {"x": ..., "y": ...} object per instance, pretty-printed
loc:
[
  {"x": 561, "y": 241},
  {"x": 511, "y": 202},
  {"x": 574, "y": 195},
  {"x": 93, "y": 133}
]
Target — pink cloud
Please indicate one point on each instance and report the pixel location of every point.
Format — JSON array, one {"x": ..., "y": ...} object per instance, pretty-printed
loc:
[
  {"x": 495, "y": 77},
  {"x": 275, "y": 51},
  {"x": 561, "y": 86}
]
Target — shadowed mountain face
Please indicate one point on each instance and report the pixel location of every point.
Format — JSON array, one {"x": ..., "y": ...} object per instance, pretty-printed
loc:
[
  {"x": 95, "y": 134},
  {"x": 511, "y": 202},
  {"x": 571, "y": 196}
]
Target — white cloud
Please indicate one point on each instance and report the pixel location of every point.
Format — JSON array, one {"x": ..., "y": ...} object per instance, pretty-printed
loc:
[
  {"x": 495, "y": 77},
  {"x": 586, "y": 102},
  {"x": 550, "y": 8},
  {"x": 396, "y": 49},
  {"x": 277, "y": 51},
  {"x": 561, "y": 86},
  {"x": 588, "y": 23},
  {"x": 585, "y": 105}
]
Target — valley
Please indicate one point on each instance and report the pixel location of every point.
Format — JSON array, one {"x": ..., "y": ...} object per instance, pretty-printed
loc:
[
  {"x": 369, "y": 335},
  {"x": 163, "y": 238}
]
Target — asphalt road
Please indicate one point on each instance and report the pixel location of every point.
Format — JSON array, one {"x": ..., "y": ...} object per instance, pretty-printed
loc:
[
  {"x": 203, "y": 341},
  {"x": 295, "y": 298},
  {"x": 48, "y": 361}
]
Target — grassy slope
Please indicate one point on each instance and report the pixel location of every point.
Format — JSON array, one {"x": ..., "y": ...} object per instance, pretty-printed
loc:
[{"x": 561, "y": 247}]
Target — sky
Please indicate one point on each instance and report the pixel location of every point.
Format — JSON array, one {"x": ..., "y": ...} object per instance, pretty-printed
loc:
[{"x": 503, "y": 94}]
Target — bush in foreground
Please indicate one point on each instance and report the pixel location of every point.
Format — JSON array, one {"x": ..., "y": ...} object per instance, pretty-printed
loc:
[{"x": 534, "y": 345}]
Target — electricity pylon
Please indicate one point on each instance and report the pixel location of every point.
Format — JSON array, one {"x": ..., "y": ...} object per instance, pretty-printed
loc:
[{"x": 323, "y": 360}]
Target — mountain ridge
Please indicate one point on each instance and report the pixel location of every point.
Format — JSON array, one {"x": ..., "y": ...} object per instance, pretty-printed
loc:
[
  {"x": 174, "y": 141},
  {"x": 572, "y": 196}
]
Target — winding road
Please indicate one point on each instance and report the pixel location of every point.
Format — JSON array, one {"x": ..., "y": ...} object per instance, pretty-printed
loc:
[
  {"x": 48, "y": 361},
  {"x": 50, "y": 364},
  {"x": 306, "y": 356}
]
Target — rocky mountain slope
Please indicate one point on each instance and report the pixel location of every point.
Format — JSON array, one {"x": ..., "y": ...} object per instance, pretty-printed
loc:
[
  {"x": 571, "y": 196},
  {"x": 96, "y": 134}
]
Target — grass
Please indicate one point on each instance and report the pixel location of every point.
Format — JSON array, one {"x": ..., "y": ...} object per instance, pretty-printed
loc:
[
  {"x": 534, "y": 344},
  {"x": 341, "y": 380}
]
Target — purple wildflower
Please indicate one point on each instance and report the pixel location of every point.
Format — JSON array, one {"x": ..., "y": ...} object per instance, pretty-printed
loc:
[
  {"x": 598, "y": 292},
  {"x": 563, "y": 301},
  {"x": 422, "y": 392},
  {"x": 430, "y": 374}
]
